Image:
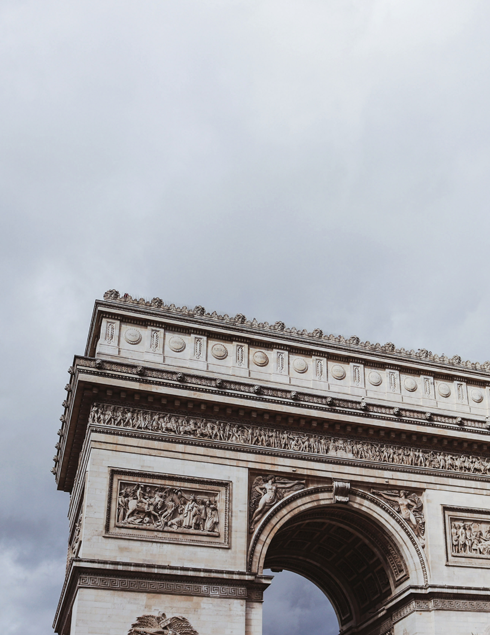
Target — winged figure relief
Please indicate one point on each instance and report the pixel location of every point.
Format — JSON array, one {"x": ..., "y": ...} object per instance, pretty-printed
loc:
[
  {"x": 409, "y": 506},
  {"x": 266, "y": 492},
  {"x": 162, "y": 625}
]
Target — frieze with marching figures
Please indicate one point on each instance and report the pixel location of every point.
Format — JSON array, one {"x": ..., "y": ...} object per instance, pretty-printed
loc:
[{"x": 284, "y": 439}]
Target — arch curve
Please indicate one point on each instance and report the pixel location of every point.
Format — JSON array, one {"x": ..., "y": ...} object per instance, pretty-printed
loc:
[{"x": 357, "y": 553}]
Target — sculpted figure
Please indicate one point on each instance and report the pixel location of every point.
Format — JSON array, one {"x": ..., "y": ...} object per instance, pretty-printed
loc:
[
  {"x": 409, "y": 506},
  {"x": 189, "y": 510},
  {"x": 266, "y": 493},
  {"x": 212, "y": 517}
]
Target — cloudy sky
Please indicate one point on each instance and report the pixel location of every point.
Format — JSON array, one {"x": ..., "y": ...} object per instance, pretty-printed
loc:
[{"x": 322, "y": 162}]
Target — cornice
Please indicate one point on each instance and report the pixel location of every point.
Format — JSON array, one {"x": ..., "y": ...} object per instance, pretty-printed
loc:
[
  {"x": 239, "y": 322},
  {"x": 285, "y": 396},
  {"x": 88, "y": 373}
]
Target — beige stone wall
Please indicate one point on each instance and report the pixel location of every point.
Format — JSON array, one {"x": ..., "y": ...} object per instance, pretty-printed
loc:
[
  {"x": 95, "y": 545},
  {"x": 103, "y": 612},
  {"x": 444, "y": 623}
]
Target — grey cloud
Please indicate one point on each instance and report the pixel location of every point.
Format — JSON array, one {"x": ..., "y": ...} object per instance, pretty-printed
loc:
[{"x": 325, "y": 164}]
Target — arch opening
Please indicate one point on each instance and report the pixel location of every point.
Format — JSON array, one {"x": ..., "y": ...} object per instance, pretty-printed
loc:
[
  {"x": 345, "y": 554},
  {"x": 293, "y": 604}
]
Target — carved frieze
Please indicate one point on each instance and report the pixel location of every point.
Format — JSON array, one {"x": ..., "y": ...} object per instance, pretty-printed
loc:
[
  {"x": 266, "y": 491},
  {"x": 409, "y": 506},
  {"x": 169, "y": 508},
  {"x": 284, "y": 439},
  {"x": 467, "y": 536}
]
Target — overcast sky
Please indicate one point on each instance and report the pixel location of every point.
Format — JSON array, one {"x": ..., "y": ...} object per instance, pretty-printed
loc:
[{"x": 322, "y": 162}]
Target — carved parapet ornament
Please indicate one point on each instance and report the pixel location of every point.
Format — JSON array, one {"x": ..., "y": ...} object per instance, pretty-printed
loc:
[{"x": 353, "y": 342}]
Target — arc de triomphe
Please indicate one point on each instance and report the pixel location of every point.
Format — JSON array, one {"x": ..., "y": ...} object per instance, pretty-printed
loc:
[{"x": 201, "y": 449}]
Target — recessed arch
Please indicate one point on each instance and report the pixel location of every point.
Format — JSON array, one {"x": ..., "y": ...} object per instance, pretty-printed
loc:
[{"x": 359, "y": 553}]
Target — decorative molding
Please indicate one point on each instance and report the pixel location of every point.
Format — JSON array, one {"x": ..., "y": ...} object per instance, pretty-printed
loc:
[
  {"x": 166, "y": 587},
  {"x": 283, "y": 439},
  {"x": 353, "y": 343},
  {"x": 168, "y": 508},
  {"x": 441, "y": 604},
  {"x": 338, "y": 405}
]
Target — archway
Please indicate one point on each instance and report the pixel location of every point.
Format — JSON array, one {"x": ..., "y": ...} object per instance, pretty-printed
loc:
[
  {"x": 293, "y": 604},
  {"x": 357, "y": 553}
]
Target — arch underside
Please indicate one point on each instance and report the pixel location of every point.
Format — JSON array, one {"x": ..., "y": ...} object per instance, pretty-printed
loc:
[{"x": 347, "y": 555}]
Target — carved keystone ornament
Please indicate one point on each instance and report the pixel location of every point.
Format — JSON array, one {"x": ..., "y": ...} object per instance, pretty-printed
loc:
[{"x": 341, "y": 491}]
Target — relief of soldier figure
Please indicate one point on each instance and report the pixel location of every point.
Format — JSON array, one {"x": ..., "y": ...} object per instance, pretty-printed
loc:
[{"x": 167, "y": 509}]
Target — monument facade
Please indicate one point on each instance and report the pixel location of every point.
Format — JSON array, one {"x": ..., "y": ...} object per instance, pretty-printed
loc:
[{"x": 201, "y": 449}]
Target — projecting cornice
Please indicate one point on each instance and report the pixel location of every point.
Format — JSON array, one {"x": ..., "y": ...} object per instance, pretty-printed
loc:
[{"x": 352, "y": 344}]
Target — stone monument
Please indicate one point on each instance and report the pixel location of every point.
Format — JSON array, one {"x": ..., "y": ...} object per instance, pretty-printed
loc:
[{"x": 200, "y": 449}]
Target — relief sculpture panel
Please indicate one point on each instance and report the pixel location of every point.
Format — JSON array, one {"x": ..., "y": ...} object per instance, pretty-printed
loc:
[
  {"x": 467, "y": 537},
  {"x": 289, "y": 440},
  {"x": 169, "y": 508}
]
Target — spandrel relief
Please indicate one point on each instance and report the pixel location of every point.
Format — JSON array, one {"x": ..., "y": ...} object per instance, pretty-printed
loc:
[
  {"x": 266, "y": 491},
  {"x": 169, "y": 508},
  {"x": 409, "y": 506}
]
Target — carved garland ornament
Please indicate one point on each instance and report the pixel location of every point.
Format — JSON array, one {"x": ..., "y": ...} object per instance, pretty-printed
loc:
[{"x": 284, "y": 439}]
